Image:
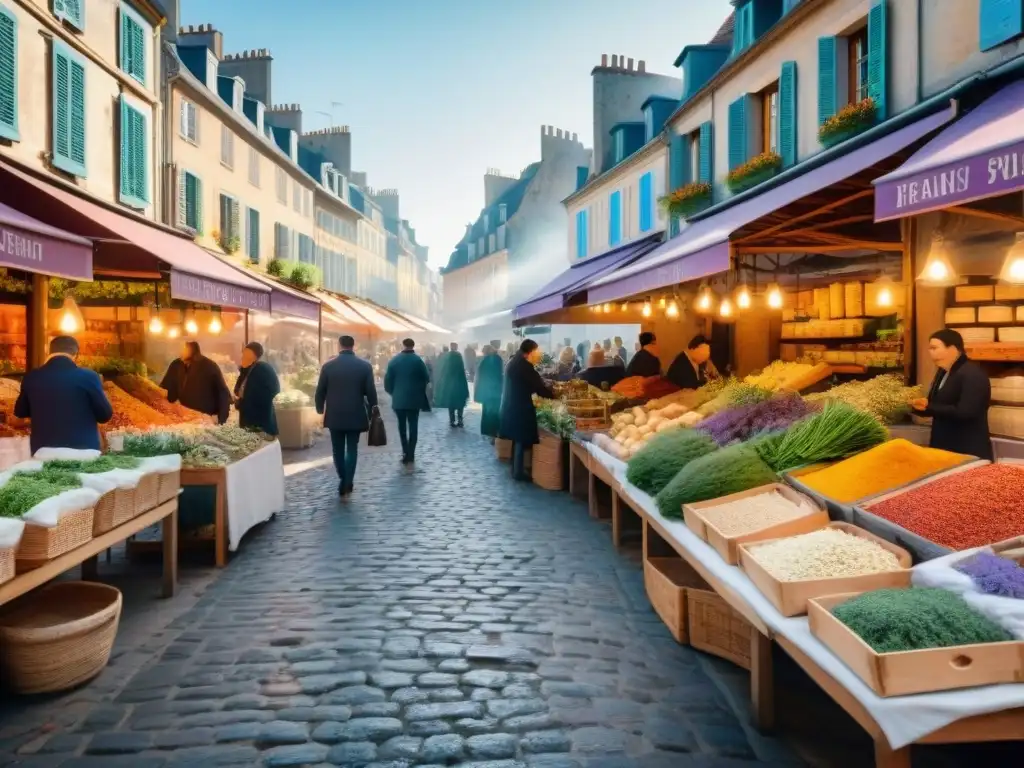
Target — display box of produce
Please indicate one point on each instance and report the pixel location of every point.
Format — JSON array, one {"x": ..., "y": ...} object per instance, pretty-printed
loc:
[
  {"x": 769, "y": 512},
  {"x": 920, "y": 547},
  {"x": 903, "y": 673},
  {"x": 836, "y": 559}
]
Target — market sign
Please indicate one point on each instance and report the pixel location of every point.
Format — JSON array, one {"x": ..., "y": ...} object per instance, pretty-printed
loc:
[
  {"x": 286, "y": 303},
  {"x": 203, "y": 290},
  {"x": 34, "y": 252}
]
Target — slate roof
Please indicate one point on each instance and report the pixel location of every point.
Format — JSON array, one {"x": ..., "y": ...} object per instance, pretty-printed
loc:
[{"x": 724, "y": 34}]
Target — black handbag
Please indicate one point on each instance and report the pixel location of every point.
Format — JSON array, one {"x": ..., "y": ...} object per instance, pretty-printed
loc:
[{"x": 377, "y": 436}]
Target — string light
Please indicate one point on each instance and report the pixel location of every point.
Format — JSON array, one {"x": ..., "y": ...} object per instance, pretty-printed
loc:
[
  {"x": 625, "y": 306},
  {"x": 71, "y": 318},
  {"x": 704, "y": 299},
  {"x": 215, "y": 324},
  {"x": 1013, "y": 267},
  {"x": 883, "y": 292},
  {"x": 647, "y": 310},
  {"x": 775, "y": 296},
  {"x": 938, "y": 270},
  {"x": 743, "y": 297},
  {"x": 191, "y": 326},
  {"x": 156, "y": 325},
  {"x": 173, "y": 332},
  {"x": 725, "y": 308},
  {"x": 673, "y": 309},
  {"x": 607, "y": 309},
  {"x": 661, "y": 303}
]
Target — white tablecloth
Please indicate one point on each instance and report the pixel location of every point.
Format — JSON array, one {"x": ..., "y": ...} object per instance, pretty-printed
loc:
[
  {"x": 254, "y": 491},
  {"x": 14, "y": 450},
  {"x": 903, "y": 719}
]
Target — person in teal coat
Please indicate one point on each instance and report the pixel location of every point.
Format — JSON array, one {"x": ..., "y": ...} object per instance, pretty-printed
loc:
[
  {"x": 406, "y": 381},
  {"x": 490, "y": 374},
  {"x": 451, "y": 389}
]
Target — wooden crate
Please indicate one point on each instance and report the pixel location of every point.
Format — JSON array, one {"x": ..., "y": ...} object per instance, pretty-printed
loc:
[
  {"x": 667, "y": 581},
  {"x": 591, "y": 414},
  {"x": 791, "y": 597},
  {"x": 728, "y": 546},
  {"x": 717, "y": 629},
  {"x": 908, "y": 672},
  {"x": 503, "y": 449}
]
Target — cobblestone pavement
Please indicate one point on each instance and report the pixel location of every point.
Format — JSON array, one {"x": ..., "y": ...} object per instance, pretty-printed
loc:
[{"x": 444, "y": 616}]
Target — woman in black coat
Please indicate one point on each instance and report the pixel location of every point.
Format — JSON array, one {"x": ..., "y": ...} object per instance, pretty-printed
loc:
[
  {"x": 518, "y": 416},
  {"x": 255, "y": 390},
  {"x": 958, "y": 400}
]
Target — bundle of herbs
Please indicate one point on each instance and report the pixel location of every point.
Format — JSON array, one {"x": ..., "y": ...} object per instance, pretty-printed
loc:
[
  {"x": 838, "y": 430},
  {"x": 746, "y": 421},
  {"x": 664, "y": 455},
  {"x": 555, "y": 418},
  {"x": 150, "y": 444},
  {"x": 106, "y": 463},
  {"x": 24, "y": 490},
  {"x": 728, "y": 470}
]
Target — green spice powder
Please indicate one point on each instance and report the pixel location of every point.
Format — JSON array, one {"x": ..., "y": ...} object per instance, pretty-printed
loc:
[{"x": 913, "y": 619}]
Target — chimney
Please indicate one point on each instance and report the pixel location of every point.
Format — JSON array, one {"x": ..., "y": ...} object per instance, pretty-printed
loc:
[
  {"x": 495, "y": 184},
  {"x": 202, "y": 36}
]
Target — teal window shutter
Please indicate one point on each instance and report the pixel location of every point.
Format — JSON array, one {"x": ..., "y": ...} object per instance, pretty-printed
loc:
[
  {"x": 8, "y": 75},
  {"x": 828, "y": 98},
  {"x": 253, "y": 235},
  {"x": 133, "y": 44},
  {"x": 878, "y": 56},
  {"x": 787, "y": 113},
  {"x": 1000, "y": 22},
  {"x": 190, "y": 200},
  {"x": 581, "y": 234},
  {"x": 70, "y": 11},
  {"x": 647, "y": 202},
  {"x": 615, "y": 218},
  {"x": 738, "y": 137},
  {"x": 134, "y": 157},
  {"x": 737, "y": 32},
  {"x": 706, "y": 172},
  {"x": 678, "y": 159},
  {"x": 68, "y": 111}
]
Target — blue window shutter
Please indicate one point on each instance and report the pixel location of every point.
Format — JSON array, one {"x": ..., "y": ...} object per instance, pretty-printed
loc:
[
  {"x": 706, "y": 172},
  {"x": 828, "y": 101},
  {"x": 737, "y": 31},
  {"x": 646, "y": 202},
  {"x": 789, "y": 5},
  {"x": 677, "y": 158},
  {"x": 134, "y": 162},
  {"x": 8, "y": 75},
  {"x": 738, "y": 138},
  {"x": 1000, "y": 22},
  {"x": 878, "y": 56},
  {"x": 253, "y": 235},
  {"x": 748, "y": 24},
  {"x": 787, "y": 113},
  {"x": 615, "y": 218},
  {"x": 133, "y": 45},
  {"x": 68, "y": 111},
  {"x": 581, "y": 234},
  {"x": 193, "y": 202}
]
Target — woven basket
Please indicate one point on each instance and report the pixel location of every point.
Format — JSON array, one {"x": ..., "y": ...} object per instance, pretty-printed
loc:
[
  {"x": 59, "y": 638},
  {"x": 113, "y": 509},
  {"x": 147, "y": 493},
  {"x": 548, "y": 463},
  {"x": 7, "y": 569},
  {"x": 168, "y": 486},
  {"x": 716, "y": 628},
  {"x": 39, "y": 545}
]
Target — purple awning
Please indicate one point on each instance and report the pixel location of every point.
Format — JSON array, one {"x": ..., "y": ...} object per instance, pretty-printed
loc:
[
  {"x": 30, "y": 245},
  {"x": 979, "y": 156},
  {"x": 702, "y": 248},
  {"x": 553, "y": 295}
]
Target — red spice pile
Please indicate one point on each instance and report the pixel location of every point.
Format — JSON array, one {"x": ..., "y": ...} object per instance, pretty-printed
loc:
[{"x": 963, "y": 510}]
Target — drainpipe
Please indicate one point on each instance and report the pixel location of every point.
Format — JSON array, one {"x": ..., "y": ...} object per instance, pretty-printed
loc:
[
  {"x": 920, "y": 54},
  {"x": 169, "y": 74}
]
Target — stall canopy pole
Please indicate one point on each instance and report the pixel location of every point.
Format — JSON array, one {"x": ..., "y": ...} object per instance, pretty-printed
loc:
[
  {"x": 37, "y": 331},
  {"x": 246, "y": 327},
  {"x": 320, "y": 336},
  {"x": 908, "y": 229}
]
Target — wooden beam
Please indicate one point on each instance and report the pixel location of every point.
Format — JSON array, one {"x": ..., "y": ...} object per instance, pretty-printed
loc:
[
  {"x": 1006, "y": 218},
  {"x": 825, "y": 248},
  {"x": 830, "y": 224},
  {"x": 810, "y": 214}
]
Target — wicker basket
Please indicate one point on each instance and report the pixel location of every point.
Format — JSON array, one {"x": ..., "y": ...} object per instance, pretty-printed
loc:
[
  {"x": 668, "y": 580},
  {"x": 114, "y": 508},
  {"x": 7, "y": 568},
  {"x": 168, "y": 486},
  {"x": 717, "y": 629},
  {"x": 39, "y": 545},
  {"x": 147, "y": 493},
  {"x": 503, "y": 448},
  {"x": 60, "y": 637},
  {"x": 548, "y": 463}
]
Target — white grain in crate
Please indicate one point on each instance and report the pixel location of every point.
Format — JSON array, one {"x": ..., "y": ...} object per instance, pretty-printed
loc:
[
  {"x": 995, "y": 314},
  {"x": 976, "y": 335},
  {"x": 836, "y": 301},
  {"x": 854, "y": 295},
  {"x": 1011, "y": 334},
  {"x": 976, "y": 293},
  {"x": 961, "y": 315}
]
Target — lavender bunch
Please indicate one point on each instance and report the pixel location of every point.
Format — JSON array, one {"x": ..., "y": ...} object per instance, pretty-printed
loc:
[
  {"x": 744, "y": 421},
  {"x": 994, "y": 575}
]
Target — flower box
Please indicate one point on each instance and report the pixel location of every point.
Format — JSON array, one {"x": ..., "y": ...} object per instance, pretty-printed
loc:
[
  {"x": 687, "y": 200},
  {"x": 848, "y": 122},
  {"x": 754, "y": 171}
]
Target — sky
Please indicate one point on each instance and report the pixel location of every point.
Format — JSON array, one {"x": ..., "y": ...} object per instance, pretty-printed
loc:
[{"x": 438, "y": 91}]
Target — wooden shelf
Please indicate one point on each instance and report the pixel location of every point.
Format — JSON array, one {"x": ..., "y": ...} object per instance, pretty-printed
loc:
[{"x": 996, "y": 351}]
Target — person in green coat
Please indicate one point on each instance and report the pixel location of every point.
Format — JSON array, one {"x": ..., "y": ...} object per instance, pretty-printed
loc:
[
  {"x": 406, "y": 381},
  {"x": 452, "y": 389},
  {"x": 490, "y": 374}
]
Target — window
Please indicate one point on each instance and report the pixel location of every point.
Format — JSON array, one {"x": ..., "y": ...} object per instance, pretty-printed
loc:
[
  {"x": 695, "y": 156},
  {"x": 230, "y": 227},
  {"x": 296, "y": 197},
  {"x": 615, "y": 218},
  {"x": 71, "y": 12},
  {"x": 227, "y": 147},
  {"x": 189, "y": 121},
  {"x": 770, "y": 118},
  {"x": 134, "y": 38},
  {"x": 646, "y": 202},
  {"x": 282, "y": 242},
  {"x": 68, "y": 111},
  {"x": 8, "y": 75},
  {"x": 252, "y": 235},
  {"x": 254, "y": 167},
  {"x": 305, "y": 249},
  {"x": 307, "y": 203},
  {"x": 282, "y": 186},
  {"x": 857, "y": 74},
  {"x": 190, "y": 202}
]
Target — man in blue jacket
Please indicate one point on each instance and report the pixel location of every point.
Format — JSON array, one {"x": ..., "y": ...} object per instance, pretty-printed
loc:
[
  {"x": 65, "y": 403},
  {"x": 406, "y": 381},
  {"x": 346, "y": 391}
]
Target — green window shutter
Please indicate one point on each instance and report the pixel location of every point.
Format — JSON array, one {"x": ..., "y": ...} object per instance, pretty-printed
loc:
[
  {"x": 788, "y": 114},
  {"x": 235, "y": 220},
  {"x": 999, "y": 22},
  {"x": 191, "y": 198},
  {"x": 828, "y": 99},
  {"x": 68, "y": 111},
  {"x": 71, "y": 11},
  {"x": 253, "y": 235},
  {"x": 706, "y": 173},
  {"x": 133, "y": 45},
  {"x": 182, "y": 198},
  {"x": 134, "y": 165},
  {"x": 878, "y": 56},
  {"x": 8, "y": 75},
  {"x": 738, "y": 138},
  {"x": 678, "y": 160},
  {"x": 198, "y": 203}
]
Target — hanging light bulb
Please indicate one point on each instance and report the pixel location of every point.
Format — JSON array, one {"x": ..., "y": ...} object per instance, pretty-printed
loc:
[
  {"x": 661, "y": 303},
  {"x": 938, "y": 270},
  {"x": 625, "y": 306},
  {"x": 704, "y": 298},
  {"x": 173, "y": 332},
  {"x": 884, "y": 291},
  {"x": 607, "y": 309},
  {"x": 743, "y": 297},
  {"x": 725, "y": 308},
  {"x": 672, "y": 310},
  {"x": 71, "y": 317},
  {"x": 647, "y": 310},
  {"x": 156, "y": 325},
  {"x": 215, "y": 326},
  {"x": 1013, "y": 267},
  {"x": 775, "y": 300},
  {"x": 191, "y": 326}
]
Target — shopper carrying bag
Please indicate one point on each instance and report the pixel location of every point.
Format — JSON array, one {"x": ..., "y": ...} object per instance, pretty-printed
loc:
[{"x": 377, "y": 437}]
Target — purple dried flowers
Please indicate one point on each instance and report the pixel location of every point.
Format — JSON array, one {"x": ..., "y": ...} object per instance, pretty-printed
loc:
[
  {"x": 994, "y": 575},
  {"x": 744, "y": 421}
]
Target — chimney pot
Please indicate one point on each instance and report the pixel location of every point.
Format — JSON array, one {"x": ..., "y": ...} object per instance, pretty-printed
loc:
[
  {"x": 615, "y": 61},
  {"x": 604, "y": 59},
  {"x": 629, "y": 65},
  {"x": 641, "y": 66}
]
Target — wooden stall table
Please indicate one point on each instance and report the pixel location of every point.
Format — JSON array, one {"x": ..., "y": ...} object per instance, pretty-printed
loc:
[
  {"x": 87, "y": 554},
  {"x": 627, "y": 519},
  {"x": 217, "y": 477},
  {"x": 601, "y": 486},
  {"x": 579, "y": 470}
]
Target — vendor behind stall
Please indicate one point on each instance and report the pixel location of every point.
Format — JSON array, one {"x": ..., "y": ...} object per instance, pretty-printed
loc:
[
  {"x": 196, "y": 382},
  {"x": 958, "y": 400},
  {"x": 645, "y": 362},
  {"x": 255, "y": 390},
  {"x": 602, "y": 372},
  {"x": 692, "y": 368}
]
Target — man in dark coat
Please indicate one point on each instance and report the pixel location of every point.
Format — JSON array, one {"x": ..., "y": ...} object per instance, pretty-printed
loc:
[
  {"x": 197, "y": 382},
  {"x": 958, "y": 400},
  {"x": 645, "y": 362},
  {"x": 690, "y": 368},
  {"x": 406, "y": 381},
  {"x": 471, "y": 362},
  {"x": 255, "y": 390},
  {"x": 600, "y": 372},
  {"x": 346, "y": 392},
  {"x": 518, "y": 416},
  {"x": 65, "y": 403},
  {"x": 487, "y": 391},
  {"x": 451, "y": 389}
]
